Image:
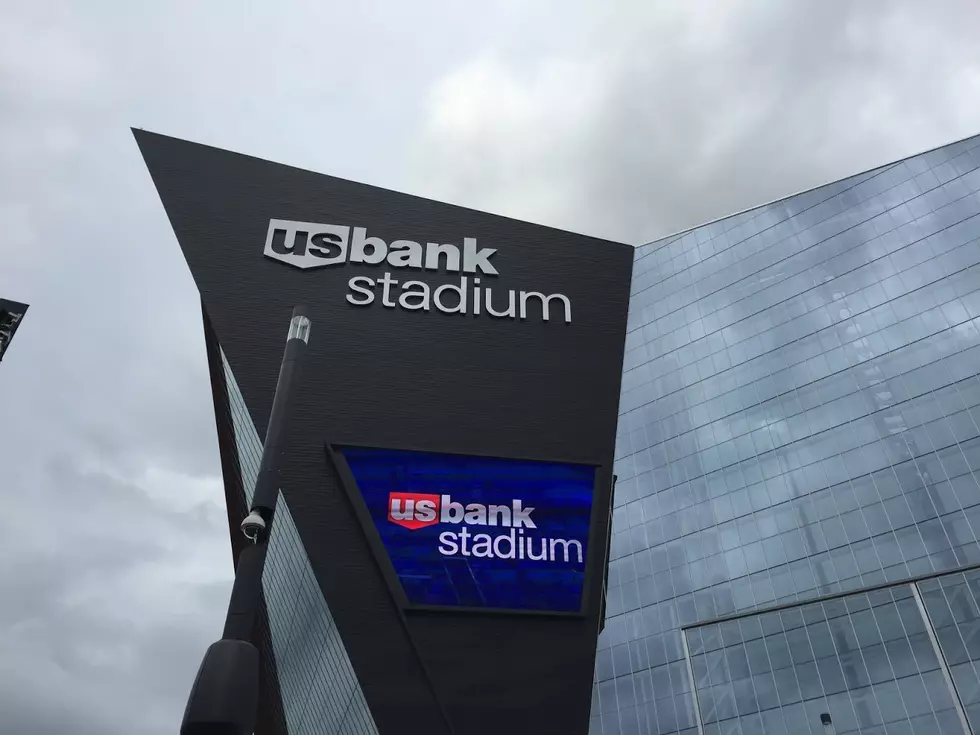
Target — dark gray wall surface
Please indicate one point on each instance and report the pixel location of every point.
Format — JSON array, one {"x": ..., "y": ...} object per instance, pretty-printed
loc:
[
  {"x": 8, "y": 309},
  {"x": 414, "y": 380},
  {"x": 13, "y": 306}
]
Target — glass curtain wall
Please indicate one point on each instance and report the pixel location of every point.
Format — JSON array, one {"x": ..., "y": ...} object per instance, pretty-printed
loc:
[
  {"x": 952, "y": 605},
  {"x": 800, "y": 417},
  {"x": 320, "y": 691},
  {"x": 866, "y": 663}
]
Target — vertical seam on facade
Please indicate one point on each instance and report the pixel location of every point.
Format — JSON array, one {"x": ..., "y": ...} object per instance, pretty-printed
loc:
[
  {"x": 941, "y": 658},
  {"x": 694, "y": 684}
]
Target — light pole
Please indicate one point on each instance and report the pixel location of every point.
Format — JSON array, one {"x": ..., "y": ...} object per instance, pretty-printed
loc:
[{"x": 224, "y": 696}]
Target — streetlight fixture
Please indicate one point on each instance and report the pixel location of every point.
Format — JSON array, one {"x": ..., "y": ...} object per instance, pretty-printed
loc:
[{"x": 224, "y": 696}]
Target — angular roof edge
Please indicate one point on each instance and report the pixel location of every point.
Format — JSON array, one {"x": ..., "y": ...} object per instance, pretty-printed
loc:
[
  {"x": 15, "y": 306},
  {"x": 143, "y": 134},
  {"x": 685, "y": 230}
]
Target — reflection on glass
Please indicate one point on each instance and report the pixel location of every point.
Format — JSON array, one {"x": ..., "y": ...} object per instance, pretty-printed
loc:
[
  {"x": 851, "y": 664},
  {"x": 800, "y": 416},
  {"x": 951, "y": 603}
]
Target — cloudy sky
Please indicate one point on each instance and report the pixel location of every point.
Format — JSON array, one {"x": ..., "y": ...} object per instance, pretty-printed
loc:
[{"x": 623, "y": 119}]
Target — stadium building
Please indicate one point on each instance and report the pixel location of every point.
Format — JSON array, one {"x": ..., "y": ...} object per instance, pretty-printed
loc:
[
  {"x": 792, "y": 545},
  {"x": 437, "y": 560}
]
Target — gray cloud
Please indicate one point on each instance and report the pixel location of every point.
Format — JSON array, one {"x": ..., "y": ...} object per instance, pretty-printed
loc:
[
  {"x": 109, "y": 601},
  {"x": 672, "y": 114},
  {"x": 624, "y": 119}
]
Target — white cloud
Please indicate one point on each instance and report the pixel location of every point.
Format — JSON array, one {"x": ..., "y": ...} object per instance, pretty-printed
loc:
[{"x": 500, "y": 133}]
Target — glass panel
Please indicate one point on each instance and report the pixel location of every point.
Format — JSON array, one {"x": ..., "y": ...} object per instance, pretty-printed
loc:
[
  {"x": 857, "y": 665},
  {"x": 951, "y": 603},
  {"x": 320, "y": 692}
]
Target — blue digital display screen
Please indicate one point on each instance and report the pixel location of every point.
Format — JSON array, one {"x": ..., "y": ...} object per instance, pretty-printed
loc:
[{"x": 479, "y": 532}]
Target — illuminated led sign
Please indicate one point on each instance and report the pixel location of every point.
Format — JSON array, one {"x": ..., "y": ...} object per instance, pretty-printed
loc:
[{"x": 479, "y": 532}]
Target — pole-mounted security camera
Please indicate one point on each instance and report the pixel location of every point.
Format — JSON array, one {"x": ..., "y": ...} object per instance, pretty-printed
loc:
[
  {"x": 224, "y": 697},
  {"x": 253, "y": 526}
]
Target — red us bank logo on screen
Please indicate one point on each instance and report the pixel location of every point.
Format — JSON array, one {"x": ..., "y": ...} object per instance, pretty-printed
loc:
[
  {"x": 413, "y": 510},
  {"x": 418, "y": 510}
]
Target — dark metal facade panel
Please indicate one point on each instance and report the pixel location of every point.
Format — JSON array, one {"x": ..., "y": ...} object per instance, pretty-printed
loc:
[
  {"x": 414, "y": 380},
  {"x": 11, "y": 315}
]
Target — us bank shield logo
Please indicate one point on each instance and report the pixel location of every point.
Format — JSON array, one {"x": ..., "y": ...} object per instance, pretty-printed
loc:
[
  {"x": 413, "y": 510},
  {"x": 306, "y": 244}
]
